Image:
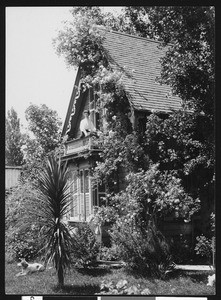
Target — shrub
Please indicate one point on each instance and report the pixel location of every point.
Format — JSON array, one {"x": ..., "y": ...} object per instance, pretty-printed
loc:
[
  {"x": 27, "y": 244},
  {"x": 110, "y": 253},
  {"x": 23, "y": 238},
  {"x": 85, "y": 247},
  {"x": 144, "y": 251},
  {"x": 205, "y": 246}
]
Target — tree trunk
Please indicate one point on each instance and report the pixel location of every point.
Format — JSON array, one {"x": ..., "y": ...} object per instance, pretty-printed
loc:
[{"x": 60, "y": 276}]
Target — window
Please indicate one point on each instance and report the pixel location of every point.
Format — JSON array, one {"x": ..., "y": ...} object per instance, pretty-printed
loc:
[
  {"x": 98, "y": 195},
  {"x": 86, "y": 181},
  {"x": 74, "y": 195},
  {"x": 84, "y": 194}
]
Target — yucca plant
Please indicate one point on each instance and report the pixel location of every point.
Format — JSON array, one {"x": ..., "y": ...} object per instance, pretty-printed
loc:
[{"x": 55, "y": 199}]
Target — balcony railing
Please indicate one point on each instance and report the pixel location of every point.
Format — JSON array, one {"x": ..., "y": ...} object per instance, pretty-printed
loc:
[{"x": 79, "y": 145}]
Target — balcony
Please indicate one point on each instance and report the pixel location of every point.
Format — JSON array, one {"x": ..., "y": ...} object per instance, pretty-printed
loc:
[{"x": 80, "y": 145}]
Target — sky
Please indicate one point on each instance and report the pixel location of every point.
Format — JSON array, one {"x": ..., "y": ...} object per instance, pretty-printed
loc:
[{"x": 34, "y": 72}]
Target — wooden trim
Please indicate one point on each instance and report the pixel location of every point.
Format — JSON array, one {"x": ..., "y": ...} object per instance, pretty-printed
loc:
[{"x": 73, "y": 95}]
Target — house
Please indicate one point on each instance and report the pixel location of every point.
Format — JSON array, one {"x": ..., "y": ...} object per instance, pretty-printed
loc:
[{"x": 140, "y": 60}]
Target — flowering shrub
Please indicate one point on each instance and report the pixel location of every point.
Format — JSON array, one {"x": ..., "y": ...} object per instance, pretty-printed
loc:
[
  {"x": 149, "y": 194},
  {"x": 135, "y": 213}
]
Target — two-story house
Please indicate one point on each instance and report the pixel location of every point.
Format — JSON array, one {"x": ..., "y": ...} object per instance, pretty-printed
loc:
[{"x": 141, "y": 58}]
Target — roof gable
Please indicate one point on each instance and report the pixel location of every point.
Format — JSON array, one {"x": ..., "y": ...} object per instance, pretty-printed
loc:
[{"x": 140, "y": 60}]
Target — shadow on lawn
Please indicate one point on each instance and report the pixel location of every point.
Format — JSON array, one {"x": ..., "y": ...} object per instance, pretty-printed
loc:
[
  {"x": 87, "y": 289},
  {"x": 197, "y": 276},
  {"x": 94, "y": 272}
]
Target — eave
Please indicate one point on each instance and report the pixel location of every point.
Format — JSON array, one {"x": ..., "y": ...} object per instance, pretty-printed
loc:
[{"x": 72, "y": 102}]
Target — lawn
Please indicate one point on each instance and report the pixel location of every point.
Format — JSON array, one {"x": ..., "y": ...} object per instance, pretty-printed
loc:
[{"x": 87, "y": 282}]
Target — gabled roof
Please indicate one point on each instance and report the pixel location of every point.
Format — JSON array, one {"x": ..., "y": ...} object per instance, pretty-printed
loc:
[{"x": 140, "y": 59}]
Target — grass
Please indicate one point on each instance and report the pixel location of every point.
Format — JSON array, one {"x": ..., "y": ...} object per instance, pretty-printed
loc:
[{"x": 87, "y": 282}]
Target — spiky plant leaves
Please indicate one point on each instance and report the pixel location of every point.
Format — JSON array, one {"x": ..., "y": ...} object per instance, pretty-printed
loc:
[{"x": 54, "y": 196}]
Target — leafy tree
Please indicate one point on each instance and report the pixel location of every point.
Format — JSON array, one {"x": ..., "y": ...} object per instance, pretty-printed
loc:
[
  {"x": 14, "y": 140},
  {"x": 44, "y": 123},
  {"x": 45, "y": 128}
]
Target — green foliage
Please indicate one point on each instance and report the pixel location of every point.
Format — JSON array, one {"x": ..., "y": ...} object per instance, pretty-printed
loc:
[
  {"x": 80, "y": 42},
  {"x": 27, "y": 243},
  {"x": 55, "y": 198},
  {"x": 44, "y": 123},
  {"x": 203, "y": 246},
  {"x": 13, "y": 140},
  {"x": 45, "y": 128},
  {"x": 149, "y": 195},
  {"x": 22, "y": 230},
  {"x": 119, "y": 151},
  {"x": 206, "y": 246},
  {"x": 159, "y": 193},
  {"x": 112, "y": 253},
  {"x": 85, "y": 248},
  {"x": 188, "y": 67},
  {"x": 145, "y": 251},
  {"x": 178, "y": 143}
]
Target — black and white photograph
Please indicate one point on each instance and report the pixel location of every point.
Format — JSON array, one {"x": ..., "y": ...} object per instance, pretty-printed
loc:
[{"x": 110, "y": 152}]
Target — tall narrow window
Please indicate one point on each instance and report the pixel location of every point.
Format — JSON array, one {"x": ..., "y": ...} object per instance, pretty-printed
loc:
[
  {"x": 84, "y": 194},
  {"x": 75, "y": 196}
]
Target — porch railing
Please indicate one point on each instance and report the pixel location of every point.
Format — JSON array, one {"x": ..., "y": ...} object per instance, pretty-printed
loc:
[{"x": 79, "y": 145}]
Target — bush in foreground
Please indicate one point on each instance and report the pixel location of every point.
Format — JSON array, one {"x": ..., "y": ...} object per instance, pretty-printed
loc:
[
  {"x": 144, "y": 251},
  {"x": 85, "y": 248}
]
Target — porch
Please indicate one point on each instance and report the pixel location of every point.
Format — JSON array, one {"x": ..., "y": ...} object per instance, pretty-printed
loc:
[{"x": 77, "y": 146}]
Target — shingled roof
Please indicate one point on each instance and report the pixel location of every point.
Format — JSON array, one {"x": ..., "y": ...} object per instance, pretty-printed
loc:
[{"x": 140, "y": 57}]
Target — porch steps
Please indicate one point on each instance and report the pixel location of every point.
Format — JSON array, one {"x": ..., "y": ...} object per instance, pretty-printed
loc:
[{"x": 194, "y": 267}]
